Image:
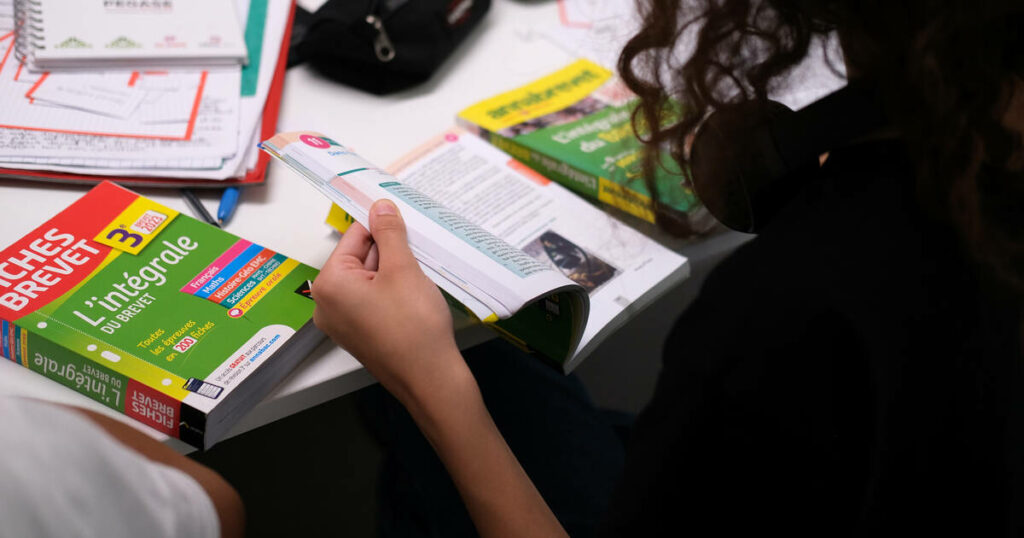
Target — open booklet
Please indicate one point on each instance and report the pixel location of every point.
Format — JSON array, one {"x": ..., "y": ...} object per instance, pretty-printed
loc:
[{"x": 546, "y": 269}]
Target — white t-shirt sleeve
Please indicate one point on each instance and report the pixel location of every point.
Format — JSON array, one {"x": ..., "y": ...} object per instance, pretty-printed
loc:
[{"x": 61, "y": 475}]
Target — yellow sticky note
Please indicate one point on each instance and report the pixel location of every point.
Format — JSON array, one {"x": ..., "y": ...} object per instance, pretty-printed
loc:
[{"x": 338, "y": 219}]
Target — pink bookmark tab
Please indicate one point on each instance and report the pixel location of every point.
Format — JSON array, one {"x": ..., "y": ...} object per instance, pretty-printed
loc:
[{"x": 211, "y": 270}]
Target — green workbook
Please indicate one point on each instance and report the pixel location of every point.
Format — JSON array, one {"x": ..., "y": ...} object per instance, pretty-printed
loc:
[
  {"x": 171, "y": 321},
  {"x": 574, "y": 127}
]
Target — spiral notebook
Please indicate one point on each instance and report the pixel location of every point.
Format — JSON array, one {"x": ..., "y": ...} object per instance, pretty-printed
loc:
[{"x": 56, "y": 34}]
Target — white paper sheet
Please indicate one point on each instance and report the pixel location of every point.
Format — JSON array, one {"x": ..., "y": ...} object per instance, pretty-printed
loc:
[
  {"x": 214, "y": 136},
  {"x": 6, "y": 16},
  {"x": 92, "y": 93},
  {"x": 19, "y": 112}
]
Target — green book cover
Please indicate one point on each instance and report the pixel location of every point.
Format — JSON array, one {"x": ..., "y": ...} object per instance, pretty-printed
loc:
[
  {"x": 574, "y": 127},
  {"x": 152, "y": 313}
]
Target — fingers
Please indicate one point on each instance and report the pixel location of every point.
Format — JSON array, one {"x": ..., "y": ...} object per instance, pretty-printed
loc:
[
  {"x": 388, "y": 231},
  {"x": 372, "y": 258},
  {"x": 354, "y": 243}
]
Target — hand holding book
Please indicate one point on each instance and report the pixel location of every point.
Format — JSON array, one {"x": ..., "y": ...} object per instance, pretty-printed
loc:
[
  {"x": 520, "y": 252},
  {"x": 407, "y": 340},
  {"x": 408, "y": 345}
]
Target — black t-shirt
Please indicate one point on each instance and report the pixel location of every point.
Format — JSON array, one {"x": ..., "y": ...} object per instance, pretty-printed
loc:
[{"x": 847, "y": 372}]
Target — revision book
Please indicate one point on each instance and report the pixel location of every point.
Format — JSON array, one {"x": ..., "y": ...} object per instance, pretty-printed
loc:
[
  {"x": 173, "y": 322},
  {"x": 574, "y": 127},
  {"x": 479, "y": 272}
]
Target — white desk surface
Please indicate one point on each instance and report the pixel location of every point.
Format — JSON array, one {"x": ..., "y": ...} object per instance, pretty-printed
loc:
[{"x": 288, "y": 216}]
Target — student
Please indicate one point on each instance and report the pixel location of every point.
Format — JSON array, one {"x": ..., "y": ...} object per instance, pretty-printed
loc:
[
  {"x": 72, "y": 472},
  {"x": 855, "y": 369}
]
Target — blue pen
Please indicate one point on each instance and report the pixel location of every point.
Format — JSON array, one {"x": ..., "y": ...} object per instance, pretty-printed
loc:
[{"x": 228, "y": 202}]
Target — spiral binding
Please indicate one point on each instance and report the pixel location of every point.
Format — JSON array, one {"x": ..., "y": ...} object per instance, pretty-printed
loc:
[{"x": 28, "y": 29}]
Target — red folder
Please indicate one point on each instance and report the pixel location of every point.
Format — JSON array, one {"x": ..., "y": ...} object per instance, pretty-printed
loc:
[{"x": 254, "y": 176}]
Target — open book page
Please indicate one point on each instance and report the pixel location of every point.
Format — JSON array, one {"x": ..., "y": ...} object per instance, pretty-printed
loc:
[
  {"x": 488, "y": 276},
  {"x": 618, "y": 266}
]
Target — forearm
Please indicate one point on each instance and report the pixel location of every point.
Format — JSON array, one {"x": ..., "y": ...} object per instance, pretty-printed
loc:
[{"x": 499, "y": 496}]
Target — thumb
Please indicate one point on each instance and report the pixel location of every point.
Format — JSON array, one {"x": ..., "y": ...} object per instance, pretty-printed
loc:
[{"x": 388, "y": 231}]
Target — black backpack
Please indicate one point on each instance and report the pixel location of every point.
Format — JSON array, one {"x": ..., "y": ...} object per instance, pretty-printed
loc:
[{"x": 382, "y": 46}]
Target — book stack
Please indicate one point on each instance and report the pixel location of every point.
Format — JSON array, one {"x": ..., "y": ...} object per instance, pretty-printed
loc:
[{"x": 143, "y": 93}]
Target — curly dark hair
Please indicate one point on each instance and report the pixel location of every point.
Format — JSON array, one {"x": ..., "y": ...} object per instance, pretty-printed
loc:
[{"x": 946, "y": 72}]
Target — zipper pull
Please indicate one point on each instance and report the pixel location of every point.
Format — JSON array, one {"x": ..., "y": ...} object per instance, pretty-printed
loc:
[{"x": 382, "y": 44}]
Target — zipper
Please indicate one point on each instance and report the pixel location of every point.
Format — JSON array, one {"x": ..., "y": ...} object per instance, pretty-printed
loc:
[{"x": 382, "y": 44}]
